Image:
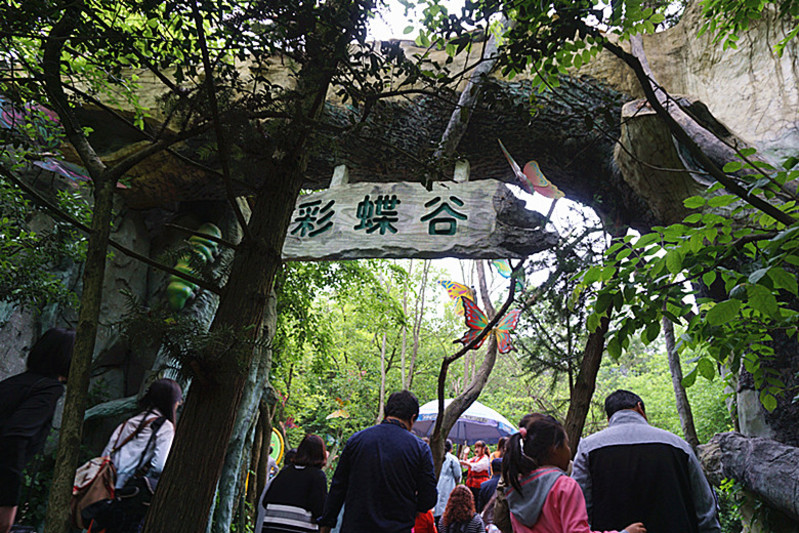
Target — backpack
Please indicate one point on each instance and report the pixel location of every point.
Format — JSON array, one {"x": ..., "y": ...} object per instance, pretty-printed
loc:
[{"x": 95, "y": 480}]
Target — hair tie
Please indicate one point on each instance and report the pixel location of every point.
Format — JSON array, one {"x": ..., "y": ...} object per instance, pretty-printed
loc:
[{"x": 523, "y": 432}]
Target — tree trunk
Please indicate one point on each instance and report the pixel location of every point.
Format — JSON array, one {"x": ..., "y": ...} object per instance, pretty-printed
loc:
[
  {"x": 585, "y": 384},
  {"x": 382, "y": 398},
  {"x": 683, "y": 407},
  {"x": 230, "y": 482},
  {"x": 57, "y": 516},
  {"x": 211, "y": 406},
  {"x": 418, "y": 315},
  {"x": 265, "y": 424},
  {"x": 405, "y": 326},
  {"x": 461, "y": 403}
]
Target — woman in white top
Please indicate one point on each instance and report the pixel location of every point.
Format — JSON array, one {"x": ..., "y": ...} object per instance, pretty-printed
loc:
[{"x": 147, "y": 438}]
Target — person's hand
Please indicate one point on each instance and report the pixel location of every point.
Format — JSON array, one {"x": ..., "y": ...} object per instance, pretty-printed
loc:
[
  {"x": 638, "y": 527},
  {"x": 7, "y": 515}
]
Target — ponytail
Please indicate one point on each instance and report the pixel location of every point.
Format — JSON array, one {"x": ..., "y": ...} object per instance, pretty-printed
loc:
[
  {"x": 515, "y": 463},
  {"x": 530, "y": 447}
]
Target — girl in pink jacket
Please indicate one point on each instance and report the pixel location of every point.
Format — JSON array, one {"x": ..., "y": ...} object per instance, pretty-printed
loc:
[{"x": 541, "y": 497}]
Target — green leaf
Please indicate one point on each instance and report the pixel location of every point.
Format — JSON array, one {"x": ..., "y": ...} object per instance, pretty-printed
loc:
[
  {"x": 783, "y": 280},
  {"x": 674, "y": 261},
  {"x": 603, "y": 301},
  {"x": 721, "y": 201},
  {"x": 732, "y": 166},
  {"x": 690, "y": 379},
  {"x": 706, "y": 368},
  {"x": 708, "y": 278},
  {"x": 407, "y": 30},
  {"x": 768, "y": 400},
  {"x": 591, "y": 275},
  {"x": 592, "y": 322},
  {"x": 646, "y": 240},
  {"x": 723, "y": 312},
  {"x": 614, "y": 348},
  {"x": 694, "y": 202},
  {"x": 651, "y": 332},
  {"x": 763, "y": 300},
  {"x": 757, "y": 275}
]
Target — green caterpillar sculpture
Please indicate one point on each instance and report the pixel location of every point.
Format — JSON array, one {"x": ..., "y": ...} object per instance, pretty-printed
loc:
[{"x": 179, "y": 290}]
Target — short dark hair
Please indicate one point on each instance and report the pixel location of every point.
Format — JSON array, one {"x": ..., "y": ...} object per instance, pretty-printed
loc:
[
  {"x": 448, "y": 445},
  {"x": 311, "y": 452},
  {"x": 620, "y": 400},
  {"x": 290, "y": 455},
  {"x": 403, "y": 405},
  {"x": 164, "y": 395},
  {"x": 52, "y": 353}
]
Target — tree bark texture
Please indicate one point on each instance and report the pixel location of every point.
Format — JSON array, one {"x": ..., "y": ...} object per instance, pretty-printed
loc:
[
  {"x": 229, "y": 482},
  {"x": 418, "y": 315},
  {"x": 213, "y": 401},
  {"x": 680, "y": 396},
  {"x": 57, "y": 516},
  {"x": 210, "y": 409},
  {"x": 765, "y": 467},
  {"x": 261, "y": 468},
  {"x": 585, "y": 384},
  {"x": 382, "y": 394}
]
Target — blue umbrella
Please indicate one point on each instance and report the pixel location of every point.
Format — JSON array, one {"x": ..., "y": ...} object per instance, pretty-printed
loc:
[{"x": 478, "y": 422}]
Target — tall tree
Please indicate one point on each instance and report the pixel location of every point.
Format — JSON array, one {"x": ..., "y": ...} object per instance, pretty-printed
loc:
[{"x": 192, "y": 50}]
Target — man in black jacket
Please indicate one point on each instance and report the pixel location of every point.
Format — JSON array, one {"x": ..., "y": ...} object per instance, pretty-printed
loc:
[
  {"x": 384, "y": 476},
  {"x": 633, "y": 472}
]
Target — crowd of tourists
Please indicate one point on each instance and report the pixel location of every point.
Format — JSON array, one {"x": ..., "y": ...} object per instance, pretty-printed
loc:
[{"x": 628, "y": 478}]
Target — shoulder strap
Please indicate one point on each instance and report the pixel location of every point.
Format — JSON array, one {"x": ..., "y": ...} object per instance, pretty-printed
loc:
[
  {"x": 156, "y": 427},
  {"x": 118, "y": 445}
]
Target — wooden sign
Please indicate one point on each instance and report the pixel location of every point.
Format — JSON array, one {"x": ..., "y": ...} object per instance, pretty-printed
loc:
[{"x": 478, "y": 219}]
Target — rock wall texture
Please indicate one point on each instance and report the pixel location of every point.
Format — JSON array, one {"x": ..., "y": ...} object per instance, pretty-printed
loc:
[{"x": 750, "y": 89}]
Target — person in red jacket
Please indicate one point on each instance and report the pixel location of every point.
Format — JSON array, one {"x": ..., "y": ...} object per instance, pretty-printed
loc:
[
  {"x": 425, "y": 523},
  {"x": 479, "y": 467}
]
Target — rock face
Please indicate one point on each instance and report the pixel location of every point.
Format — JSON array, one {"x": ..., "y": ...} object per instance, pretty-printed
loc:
[
  {"x": 750, "y": 89},
  {"x": 762, "y": 466}
]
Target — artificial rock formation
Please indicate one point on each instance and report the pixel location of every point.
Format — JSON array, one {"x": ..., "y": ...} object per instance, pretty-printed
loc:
[{"x": 761, "y": 466}]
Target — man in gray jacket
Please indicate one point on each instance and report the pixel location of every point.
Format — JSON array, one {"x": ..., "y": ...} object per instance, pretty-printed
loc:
[{"x": 633, "y": 472}]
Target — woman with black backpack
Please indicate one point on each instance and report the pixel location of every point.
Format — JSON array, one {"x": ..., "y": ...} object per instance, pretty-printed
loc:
[
  {"x": 27, "y": 404},
  {"x": 138, "y": 449}
]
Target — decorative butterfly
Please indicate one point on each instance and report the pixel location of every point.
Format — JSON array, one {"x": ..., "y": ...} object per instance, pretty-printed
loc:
[
  {"x": 456, "y": 291},
  {"x": 531, "y": 178},
  {"x": 338, "y": 413},
  {"x": 476, "y": 321},
  {"x": 504, "y": 269},
  {"x": 290, "y": 423}
]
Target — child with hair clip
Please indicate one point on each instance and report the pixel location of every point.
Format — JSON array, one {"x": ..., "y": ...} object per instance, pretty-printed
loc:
[{"x": 541, "y": 497}]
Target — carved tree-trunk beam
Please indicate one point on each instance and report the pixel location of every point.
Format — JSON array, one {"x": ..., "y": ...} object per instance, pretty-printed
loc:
[
  {"x": 765, "y": 467},
  {"x": 478, "y": 220}
]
